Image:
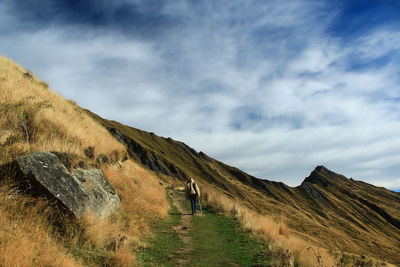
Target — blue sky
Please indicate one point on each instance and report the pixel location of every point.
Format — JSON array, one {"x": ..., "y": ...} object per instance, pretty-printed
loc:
[{"x": 272, "y": 87}]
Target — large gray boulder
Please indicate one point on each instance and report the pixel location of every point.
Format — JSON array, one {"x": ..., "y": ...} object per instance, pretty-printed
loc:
[
  {"x": 102, "y": 197},
  {"x": 81, "y": 192}
]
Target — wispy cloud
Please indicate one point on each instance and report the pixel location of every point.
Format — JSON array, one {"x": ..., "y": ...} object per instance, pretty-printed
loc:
[{"x": 274, "y": 89}]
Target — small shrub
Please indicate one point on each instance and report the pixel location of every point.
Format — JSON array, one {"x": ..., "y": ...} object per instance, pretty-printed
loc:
[
  {"x": 102, "y": 159},
  {"x": 82, "y": 164},
  {"x": 44, "y": 84},
  {"x": 21, "y": 116},
  {"x": 28, "y": 75},
  {"x": 89, "y": 152},
  {"x": 115, "y": 156}
]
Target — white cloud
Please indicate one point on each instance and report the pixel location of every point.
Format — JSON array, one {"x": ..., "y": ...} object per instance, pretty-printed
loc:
[
  {"x": 272, "y": 69},
  {"x": 378, "y": 44}
]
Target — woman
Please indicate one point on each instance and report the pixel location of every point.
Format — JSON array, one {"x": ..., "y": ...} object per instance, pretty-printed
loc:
[{"x": 192, "y": 193}]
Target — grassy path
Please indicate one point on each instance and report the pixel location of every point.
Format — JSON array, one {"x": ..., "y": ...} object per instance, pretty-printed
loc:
[
  {"x": 209, "y": 240},
  {"x": 219, "y": 241}
]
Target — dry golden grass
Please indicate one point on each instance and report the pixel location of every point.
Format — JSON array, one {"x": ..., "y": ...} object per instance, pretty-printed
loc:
[
  {"x": 142, "y": 196},
  {"x": 99, "y": 232},
  {"x": 122, "y": 257},
  {"x": 275, "y": 231},
  {"x": 25, "y": 239},
  {"x": 143, "y": 200},
  {"x": 35, "y": 118}
]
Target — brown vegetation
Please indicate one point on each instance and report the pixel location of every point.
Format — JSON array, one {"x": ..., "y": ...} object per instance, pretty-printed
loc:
[
  {"x": 25, "y": 239},
  {"x": 28, "y": 235},
  {"x": 143, "y": 199},
  {"x": 33, "y": 118}
]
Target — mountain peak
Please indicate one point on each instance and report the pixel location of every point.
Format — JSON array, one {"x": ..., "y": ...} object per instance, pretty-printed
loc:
[
  {"x": 324, "y": 177},
  {"x": 320, "y": 168}
]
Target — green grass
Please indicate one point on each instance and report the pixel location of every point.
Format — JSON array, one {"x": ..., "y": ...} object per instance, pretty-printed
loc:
[
  {"x": 220, "y": 241},
  {"x": 164, "y": 241},
  {"x": 90, "y": 257},
  {"x": 216, "y": 240}
]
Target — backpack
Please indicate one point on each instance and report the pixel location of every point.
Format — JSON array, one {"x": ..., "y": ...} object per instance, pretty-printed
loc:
[{"x": 193, "y": 189}]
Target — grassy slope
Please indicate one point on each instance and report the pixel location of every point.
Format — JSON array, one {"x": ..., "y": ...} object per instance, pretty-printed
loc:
[
  {"x": 342, "y": 222},
  {"x": 34, "y": 118},
  {"x": 363, "y": 215}
]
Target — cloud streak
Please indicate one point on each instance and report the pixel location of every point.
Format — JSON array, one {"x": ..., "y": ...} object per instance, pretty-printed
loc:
[{"x": 272, "y": 89}]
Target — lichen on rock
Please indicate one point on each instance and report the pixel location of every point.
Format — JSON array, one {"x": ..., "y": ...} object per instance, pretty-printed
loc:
[{"x": 80, "y": 192}]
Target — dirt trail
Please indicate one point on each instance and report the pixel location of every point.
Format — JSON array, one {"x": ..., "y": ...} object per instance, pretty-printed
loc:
[
  {"x": 181, "y": 257},
  {"x": 202, "y": 240}
]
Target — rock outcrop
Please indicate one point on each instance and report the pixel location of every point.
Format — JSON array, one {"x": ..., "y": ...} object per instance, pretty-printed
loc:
[
  {"x": 150, "y": 159},
  {"x": 80, "y": 192}
]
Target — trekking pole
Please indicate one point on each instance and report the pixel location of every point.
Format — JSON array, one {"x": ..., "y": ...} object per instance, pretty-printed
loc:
[{"x": 200, "y": 206}]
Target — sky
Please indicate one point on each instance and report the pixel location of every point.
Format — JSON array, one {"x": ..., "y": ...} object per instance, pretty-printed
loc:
[{"x": 274, "y": 88}]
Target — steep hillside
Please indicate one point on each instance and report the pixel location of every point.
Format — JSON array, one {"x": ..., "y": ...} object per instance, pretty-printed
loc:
[
  {"x": 327, "y": 209},
  {"x": 362, "y": 215},
  {"x": 32, "y": 232},
  {"x": 33, "y": 117}
]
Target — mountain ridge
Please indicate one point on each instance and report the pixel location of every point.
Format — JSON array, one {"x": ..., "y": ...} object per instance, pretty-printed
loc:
[{"x": 326, "y": 208}]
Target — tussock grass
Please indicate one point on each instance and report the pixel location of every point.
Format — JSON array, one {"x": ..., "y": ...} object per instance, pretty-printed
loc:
[
  {"x": 122, "y": 257},
  {"x": 25, "y": 239},
  {"x": 114, "y": 240},
  {"x": 34, "y": 118},
  {"x": 284, "y": 246},
  {"x": 143, "y": 199},
  {"x": 28, "y": 234}
]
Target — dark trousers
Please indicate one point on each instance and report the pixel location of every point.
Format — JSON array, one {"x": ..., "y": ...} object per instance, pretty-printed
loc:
[{"x": 193, "y": 199}]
